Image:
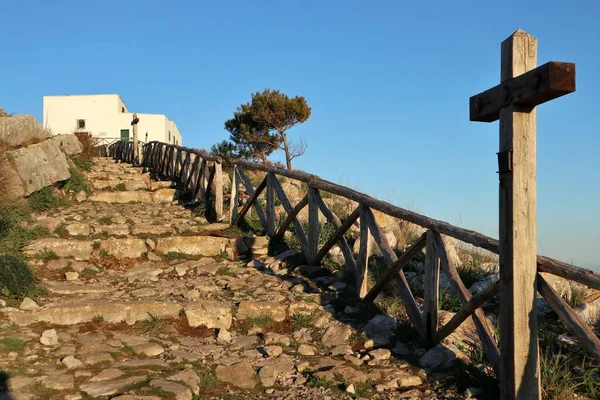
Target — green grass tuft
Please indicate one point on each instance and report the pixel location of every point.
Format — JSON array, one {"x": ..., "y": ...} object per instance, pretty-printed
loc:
[
  {"x": 45, "y": 200},
  {"x": 77, "y": 182},
  {"x": 105, "y": 221},
  {"x": 8, "y": 345},
  {"x": 16, "y": 279}
]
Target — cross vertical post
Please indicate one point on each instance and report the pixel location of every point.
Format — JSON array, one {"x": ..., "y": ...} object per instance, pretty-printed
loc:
[
  {"x": 136, "y": 150},
  {"x": 519, "y": 361},
  {"x": 513, "y": 102}
]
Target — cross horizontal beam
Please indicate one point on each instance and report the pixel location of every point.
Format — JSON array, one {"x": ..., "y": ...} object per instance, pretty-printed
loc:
[{"x": 542, "y": 84}]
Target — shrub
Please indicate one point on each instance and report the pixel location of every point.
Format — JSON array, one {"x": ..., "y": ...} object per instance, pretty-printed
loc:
[
  {"x": 77, "y": 182},
  {"x": 16, "y": 279}
]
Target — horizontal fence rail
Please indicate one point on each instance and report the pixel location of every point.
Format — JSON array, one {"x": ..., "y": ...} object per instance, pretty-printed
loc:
[{"x": 201, "y": 175}]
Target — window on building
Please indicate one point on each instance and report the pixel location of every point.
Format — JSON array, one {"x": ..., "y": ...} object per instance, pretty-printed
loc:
[
  {"x": 122, "y": 109},
  {"x": 80, "y": 123},
  {"x": 169, "y": 136}
]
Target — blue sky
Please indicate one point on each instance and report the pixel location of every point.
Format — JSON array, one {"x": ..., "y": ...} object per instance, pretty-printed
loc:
[{"x": 388, "y": 83}]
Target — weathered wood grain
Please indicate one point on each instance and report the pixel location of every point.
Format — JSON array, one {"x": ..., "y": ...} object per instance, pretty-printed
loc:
[
  {"x": 532, "y": 88},
  {"x": 580, "y": 329},
  {"x": 431, "y": 285},
  {"x": 343, "y": 243}
]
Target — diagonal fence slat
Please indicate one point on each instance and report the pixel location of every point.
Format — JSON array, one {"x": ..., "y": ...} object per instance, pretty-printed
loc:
[
  {"x": 343, "y": 243},
  {"x": 465, "y": 311},
  {"x": 479, "y": 319},
  {"x": 580, "y": 329},
  {"x": 292, "y": 214},
  {"x": 414, "y": 314}
]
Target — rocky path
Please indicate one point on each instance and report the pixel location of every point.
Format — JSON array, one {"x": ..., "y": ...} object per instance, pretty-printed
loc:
[{"x": 147, "y": 301}]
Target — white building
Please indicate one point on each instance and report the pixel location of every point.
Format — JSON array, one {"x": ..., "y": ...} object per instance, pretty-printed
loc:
[{"x": 105, "y": 116}]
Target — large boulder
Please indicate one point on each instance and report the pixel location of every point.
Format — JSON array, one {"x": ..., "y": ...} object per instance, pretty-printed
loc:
[
  {"x": 34, "y": 167},
  {"x": 69, "y": 144},
  {"x": 21, "y": 130}
]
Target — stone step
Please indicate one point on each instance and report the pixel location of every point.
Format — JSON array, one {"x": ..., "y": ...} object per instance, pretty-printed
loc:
[
  {"x": 123, "y": 197},
  {"x": 88, "y": 310}
]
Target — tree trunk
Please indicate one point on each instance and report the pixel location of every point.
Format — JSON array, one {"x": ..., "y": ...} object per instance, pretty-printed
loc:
[
  {"x": 286, "y": 148},
  {"x": 263, "y": 157}
]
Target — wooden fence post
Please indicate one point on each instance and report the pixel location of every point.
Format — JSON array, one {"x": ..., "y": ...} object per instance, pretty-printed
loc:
[
  {"x": 431, "y": 285},
  {"x": 219, "y": 190},
  {"x": 270, "y": 205},
  {"x": 234, "y": 196},
  {"x": 313, "y": 225}
]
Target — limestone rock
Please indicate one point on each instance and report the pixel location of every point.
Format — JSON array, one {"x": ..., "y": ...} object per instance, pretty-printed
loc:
[
  {"x": 59, "y": 382},
  {"x": 21, "y": 130},
  {"x": 163, "y": 195},
  {"x": 381, "y": 329},
  {"x": 241, "y": 374},
  {"x": 111, "y": 311},
  {"x": 34, "y": 167},
  {"x": 211, "y": 314},
  {"x": 95, "y": 389},
  {"x": 121, "y": 197},
  {"x": 253, "y": 309},
  {"x": 64, "y": 248},
  {"x": 275, "y": 368},
  {"x": 28, "y": 305},
  {"x": 148, "y": 349},
  {"x": 307, "y": 350},
  {"x": 181, "y": 392},
  {"x": 336, "y": 335},
  {"x": 193, "y": 245},
  {"x": 107, "y": 375},
  {"x": 124, "y": 248},
  {"x": 438, "y": 357},
  {"x": 71, "y": 362},
  {"x": 78, "y": 228},
  {"x": 69, "y": 144},
  {"x": 49, "y": 338}
]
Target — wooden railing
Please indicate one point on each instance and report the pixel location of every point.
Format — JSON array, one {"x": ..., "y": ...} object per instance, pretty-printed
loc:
[{"x": 197, "y": 171}]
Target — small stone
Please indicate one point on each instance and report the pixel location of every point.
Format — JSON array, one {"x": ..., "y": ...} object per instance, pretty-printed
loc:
[
  {"x": 240, "y": 375},
  {"x": 107, "y": 375},
  {"x": 72, "y": 276},
  {"x": 303, "y": 366},
  {"x": 13, "y": 355},
  {"x": 71, "y": 362},
  {"x": 59, "y": 382},
  {"x": 73, "y": 397},
  {"x": 148, "y": 349},
  {"x": 350, "y": 389},
  {"x": 339, "y": 285},
  {"x": 28, "y": 305},
  {"x": 409, "y": 380},
  {"x": 270, "y": 391},
  {"x": 180, "y": 391},
  {"x": 81, "y": 197},
  {"x": 181, "y": 270},
  {"x": 2, "y": 303},
  {"x": 193, "y": 294},
  {"x": 273, "y": 351},
  {"x": 224, "y": 336},
  {"x": 341, "y": 350},
  {"x": 49, "y": 338},
  {"x": 255, "y": 264},
  {"x": 150, "y": 243},
  {"x": 380, "y": 354},
  {"x": 307, "y": 350}
]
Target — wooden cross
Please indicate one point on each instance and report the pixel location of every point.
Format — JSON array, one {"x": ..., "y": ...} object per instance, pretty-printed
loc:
[
  {"x": 136, "y": 150},
  {"x": 513, "y": 102}
]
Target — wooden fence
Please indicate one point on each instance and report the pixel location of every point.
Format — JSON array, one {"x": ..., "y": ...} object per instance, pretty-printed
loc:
[{"x": 201, "y": 174}]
